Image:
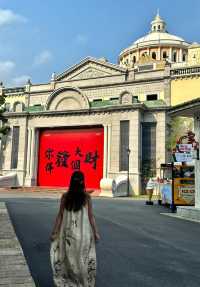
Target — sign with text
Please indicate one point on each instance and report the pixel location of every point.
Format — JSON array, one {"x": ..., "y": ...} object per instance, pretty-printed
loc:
[
  {"x": 184, "y": 191},
  {"x": 63, "y": 151},
  {"x": 185, "y": 148},
  {"x": 183, "y": 157}
]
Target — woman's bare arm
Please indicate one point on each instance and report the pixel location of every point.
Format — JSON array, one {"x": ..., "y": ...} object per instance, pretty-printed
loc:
[
  {"x": 59, "y": 217},
  {"x": 92, "y": 219}
]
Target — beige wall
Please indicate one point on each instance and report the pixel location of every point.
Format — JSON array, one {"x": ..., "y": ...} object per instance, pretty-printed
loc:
[{"x": 185, "y": 89}]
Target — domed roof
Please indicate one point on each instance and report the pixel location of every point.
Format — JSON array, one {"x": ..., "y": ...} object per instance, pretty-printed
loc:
[
  {"x": 157, "y": 36},
  {"x": 194, "y": 45}
]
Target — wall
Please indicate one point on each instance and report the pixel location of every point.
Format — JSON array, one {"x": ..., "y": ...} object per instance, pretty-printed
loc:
[{"x": 185, "y": 89}]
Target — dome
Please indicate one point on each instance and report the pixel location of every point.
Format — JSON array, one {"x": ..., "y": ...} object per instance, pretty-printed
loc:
[
  {"x": 194, "y": 45},
  {"x": 155, "y": 39},
  {"x": 158, "y": 45},
  {"x": 157, "y": 36}
]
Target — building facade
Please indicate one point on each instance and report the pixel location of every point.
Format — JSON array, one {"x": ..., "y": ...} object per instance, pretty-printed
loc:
[{"x": 92, "y": 114}]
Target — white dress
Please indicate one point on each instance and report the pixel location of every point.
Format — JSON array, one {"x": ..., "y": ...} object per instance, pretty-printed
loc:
[{"x": 73, "y": 254}]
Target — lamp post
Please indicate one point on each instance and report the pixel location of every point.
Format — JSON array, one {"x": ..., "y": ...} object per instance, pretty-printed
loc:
[{"x": 128, "y": 155}]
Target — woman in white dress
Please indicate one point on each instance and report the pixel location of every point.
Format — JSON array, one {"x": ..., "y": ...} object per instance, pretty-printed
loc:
[{"x": 73, "y": 253}]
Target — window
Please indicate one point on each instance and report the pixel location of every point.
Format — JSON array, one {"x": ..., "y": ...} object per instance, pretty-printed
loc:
[
  {"x": 164, "y": 55},
  {"x": 134, "y": 59},
  {"x": 154, "y": 28},
  {"x": 124, "y": 145},
  {"x": 135, "y": 99},
  {"x": 174, "y": 56},
  {"x": 15, "y": 147},
  {"x": 152, "y": 97},
  {"x": 153, "y": 55},
  {"x": 158, "y": 27},
  {"x": 184, "y": 57},
  {"x": 144, "y": 54},
  {"x": 148, "y": 149},
  {"x": 7, "y": 107},
  {"x": 97, "y": 100}
]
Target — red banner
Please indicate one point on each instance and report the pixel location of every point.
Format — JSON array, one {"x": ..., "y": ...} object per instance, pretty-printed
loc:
[{"x": 63, "y": 151}]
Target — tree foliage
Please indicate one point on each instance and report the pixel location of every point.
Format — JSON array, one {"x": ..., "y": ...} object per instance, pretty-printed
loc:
[
  {"x": 4, "y": 128},
  {"x": 178, "y": 127}
]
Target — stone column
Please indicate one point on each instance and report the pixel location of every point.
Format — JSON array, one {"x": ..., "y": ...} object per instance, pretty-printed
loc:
[
  {"x": 31, "y": 158},
  {"x": 129, "y": 60},
  {"x": 197, "y": 164},
  {"x": 159, "y": 53},
  {"x": 32, "y": 152},
  {"x": 137, "y": 55},
  {"x": 160, "y": 140},
  {"x": 181, "y": 55},
  {"x": 109, "y": 147},
  {"x": 28, "y": 152},
  {"x": 105, "y": 152},
  {"x": 135, "y": 154},
  {"x": 170, "y": 54}
]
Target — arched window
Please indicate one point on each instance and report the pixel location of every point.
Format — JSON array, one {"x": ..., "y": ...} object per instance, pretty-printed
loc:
[
  {"x": 153, "y": 55},
  {"x": 158, "y": 27},
  {"x": 174, "y": 56},
  {"x": 154, "y": 27},
  {"x": 184, "y": 57},
  {"x": 144, "y": 54},
  {"x": 134, "y": 59},
  {"x": 18, "y": 107},
  {"x": 7, "y": 107},
  {"x": 164, "y": 55}
]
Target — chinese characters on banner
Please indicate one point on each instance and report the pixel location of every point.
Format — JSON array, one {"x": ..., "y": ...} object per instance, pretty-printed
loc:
[
  {"x": 63, "y": 151},
  {"x": 62, "y": 159}
]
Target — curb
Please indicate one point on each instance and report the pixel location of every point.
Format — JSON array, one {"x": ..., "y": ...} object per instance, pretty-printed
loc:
[{"x": 14, "y": 271}]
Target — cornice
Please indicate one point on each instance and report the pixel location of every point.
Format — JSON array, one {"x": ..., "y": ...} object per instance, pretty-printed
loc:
[
  {"x": 87, "y": 60},
  {"x": 91, "y": 111},
  {"x": 105, "y": 85}
]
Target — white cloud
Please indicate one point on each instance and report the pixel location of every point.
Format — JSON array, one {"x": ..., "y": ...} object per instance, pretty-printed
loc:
[
  {"x": 21, "y": 80},
  {"x": 43, "y": 58},
  {"x": 9, "y": 17},
  {"x": 6, "y": 68},
  {"x": 81, "y": 39}
]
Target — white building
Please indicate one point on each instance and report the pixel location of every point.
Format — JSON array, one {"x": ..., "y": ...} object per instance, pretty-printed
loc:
[{"x": 111, "y": 108}]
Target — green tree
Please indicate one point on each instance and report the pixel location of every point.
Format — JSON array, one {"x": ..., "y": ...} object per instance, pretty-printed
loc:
[
  {"x": 4, "y": 128},
  {"x": 178, "y": 127}
]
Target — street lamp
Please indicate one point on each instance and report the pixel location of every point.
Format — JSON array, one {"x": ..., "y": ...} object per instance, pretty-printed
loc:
[{"x": 128, "y": 155}]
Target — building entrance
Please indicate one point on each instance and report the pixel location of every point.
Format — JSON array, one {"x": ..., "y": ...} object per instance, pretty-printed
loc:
[{"x": 63, "y": 151}]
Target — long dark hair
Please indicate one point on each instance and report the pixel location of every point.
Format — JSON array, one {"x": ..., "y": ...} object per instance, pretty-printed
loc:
[{"x": 76, "y": 196}]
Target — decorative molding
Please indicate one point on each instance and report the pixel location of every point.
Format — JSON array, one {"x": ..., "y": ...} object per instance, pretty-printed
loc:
[
  {"x": 95, "y": 111},
  {"x": 79, "y": 98},
  {"x": 90, "y": 73},
  {"x": 107, "y": 66}
]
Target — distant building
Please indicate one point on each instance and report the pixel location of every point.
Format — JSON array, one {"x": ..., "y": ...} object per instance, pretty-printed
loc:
[{"x": 88, "y": 116}]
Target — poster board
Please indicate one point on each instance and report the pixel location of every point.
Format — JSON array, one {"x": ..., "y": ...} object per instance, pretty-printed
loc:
[{"x": 184, "y": 191}]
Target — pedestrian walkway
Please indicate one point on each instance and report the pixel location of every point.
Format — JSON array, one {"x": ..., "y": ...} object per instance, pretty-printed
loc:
[
  {"x": 38, "y": 192},
  {"x": 14, "y": 271}
]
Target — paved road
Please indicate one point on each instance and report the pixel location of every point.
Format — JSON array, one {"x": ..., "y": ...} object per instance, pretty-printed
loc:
[{"x": 139, "y": 247}]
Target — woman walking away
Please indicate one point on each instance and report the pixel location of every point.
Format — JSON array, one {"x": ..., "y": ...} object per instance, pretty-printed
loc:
[{"x": 73, "y": 253}]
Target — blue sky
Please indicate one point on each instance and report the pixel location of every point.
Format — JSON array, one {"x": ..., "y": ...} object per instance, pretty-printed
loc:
[{"x": 39, "y": 37}]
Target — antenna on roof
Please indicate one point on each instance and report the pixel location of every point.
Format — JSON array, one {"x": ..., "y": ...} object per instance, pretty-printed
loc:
[{"x": 158, "y": 12}]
